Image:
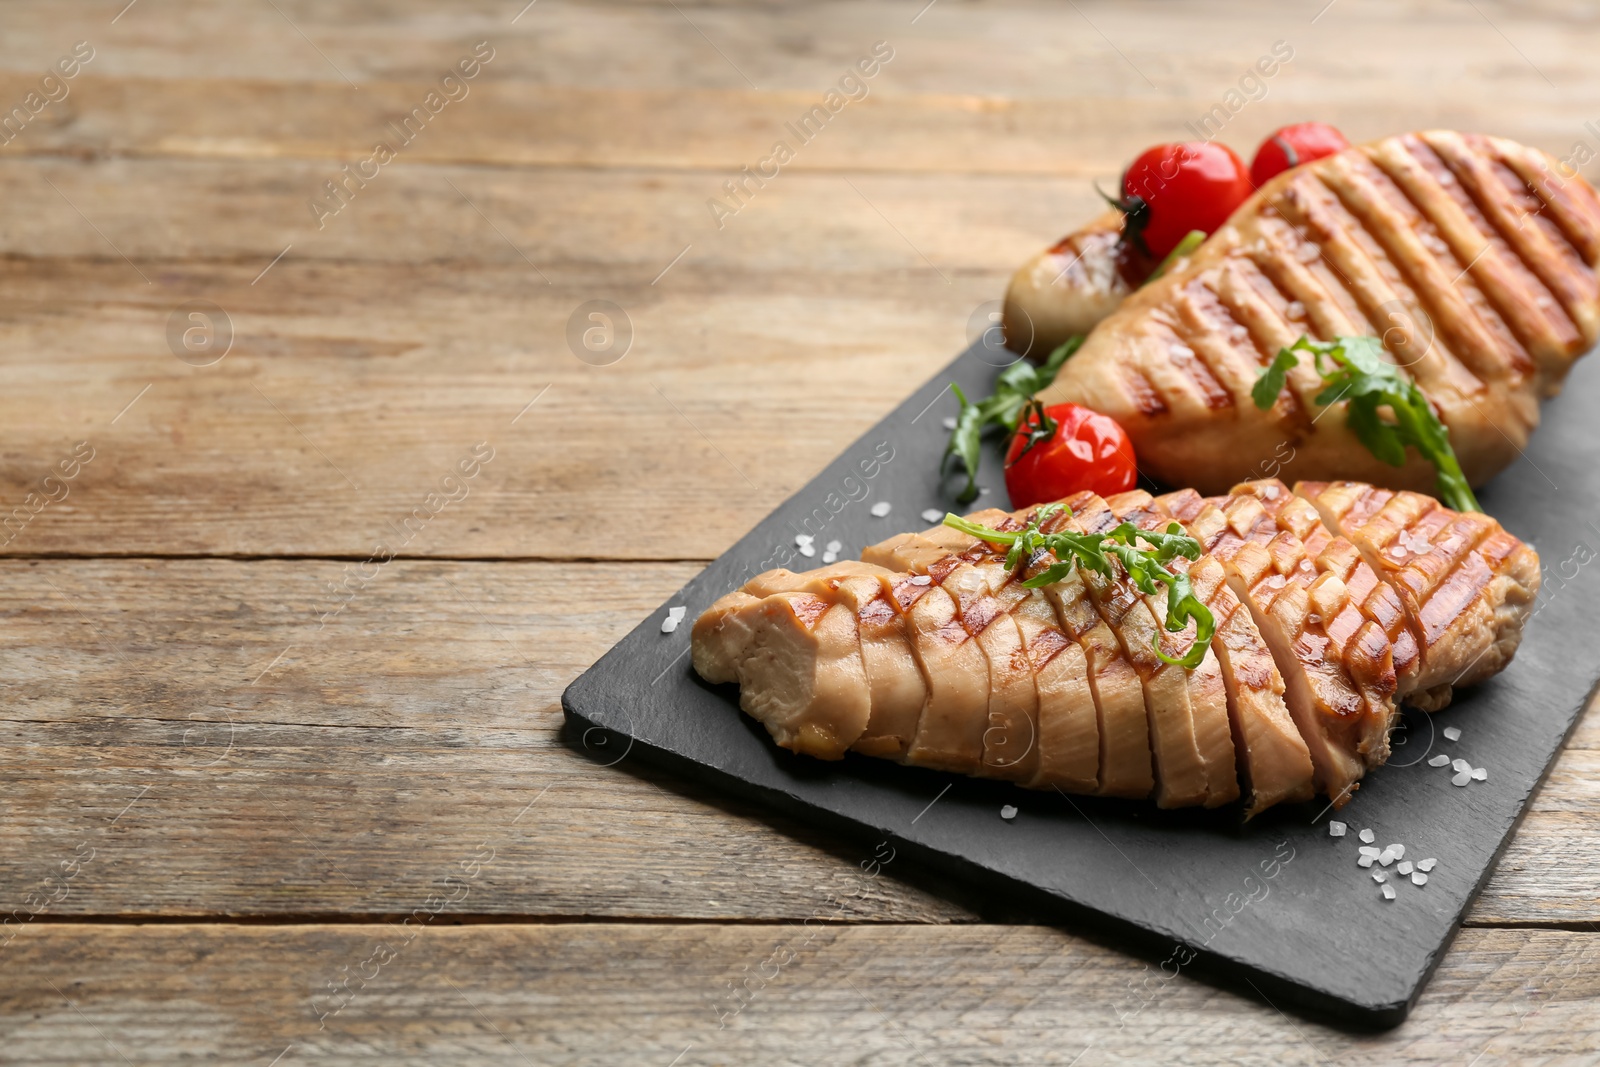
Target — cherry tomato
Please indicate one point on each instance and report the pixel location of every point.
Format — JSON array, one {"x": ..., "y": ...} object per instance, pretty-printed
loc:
[
  {"x": 1083, "y": 450},
  {"x": 1292, "y": 146},
  {"x": 1174, "y": 188}
]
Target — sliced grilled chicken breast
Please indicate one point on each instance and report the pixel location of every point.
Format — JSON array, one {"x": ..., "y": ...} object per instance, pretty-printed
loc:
[
  {"x": 1465, "y": 585},
  {"x": 1208, "y": 691},
  {"x": 1466, "y": 254},
  {"x": 1180, "y": 768},
  {"x": 960, "y": 667}
]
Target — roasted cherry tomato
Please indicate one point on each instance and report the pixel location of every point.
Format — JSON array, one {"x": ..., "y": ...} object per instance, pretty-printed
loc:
[
  {"x": 1174, "y": 188},
  {"x": 1292, "y": 146},
  {"x": 1065, "y": 449}
]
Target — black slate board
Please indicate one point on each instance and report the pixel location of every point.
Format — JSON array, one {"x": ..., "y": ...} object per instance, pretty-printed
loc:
[{"x": 1278, "y": 906}]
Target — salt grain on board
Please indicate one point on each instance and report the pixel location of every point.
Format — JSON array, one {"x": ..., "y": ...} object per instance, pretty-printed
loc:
[
  {"x": 1419, "y": 879},
  {"x": 1399, "y": 851},
  {"x": 1426, "y": 865},
  {"x": 1008, "y": 812},
  {"x": 949, "y": 422},
  {"x": 1452, "y": 733},
  {"x": 1459, "y": 765},
  {"x": 830, "y": 557},
  {"x": 1386, "y": 858},
  {"x": 1403, "y": 868},
  {"x": 803, "y": 539},
  {"x": 933, "y": 515},
  {"x": 1379, "y": 876},
  {"x": 880, "y": 509},
  {"x": 1480, "y": 774},
  {"x": 1369, "y": 850},
  {"x": 1440, "y": 760},
  {"x": 1368, "y": 836},
  {"x": 1366, "y": 861},
  {"x": 1462, "y": 778},
  {"x": 1336, "y": 828},
  {"x": 833, "y": 546},
  {"x": 674, "y": 617},
  {"x": 1388, "y": 892},
  {"x": 808, "y": 550}
]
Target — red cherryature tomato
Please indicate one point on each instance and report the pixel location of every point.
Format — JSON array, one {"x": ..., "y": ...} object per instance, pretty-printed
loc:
[
  {"x": 1072, "y": 450},
  {"x": 1292, "y": 146},
  {"x": 1174, "y": 188}
]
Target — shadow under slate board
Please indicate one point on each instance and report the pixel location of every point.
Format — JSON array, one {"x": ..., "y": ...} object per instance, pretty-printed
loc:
[{"x": 1278, "y": 905}]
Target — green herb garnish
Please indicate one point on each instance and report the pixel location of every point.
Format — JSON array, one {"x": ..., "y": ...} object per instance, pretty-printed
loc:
[
  {"x": 1003, "y": 409},
  {"x": 1145, "y": 567},
  {"x": 1353, "y": 369},
  {"x": 1191, "y": 241}
]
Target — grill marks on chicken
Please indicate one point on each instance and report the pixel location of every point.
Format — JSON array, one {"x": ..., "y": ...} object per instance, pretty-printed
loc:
[
  {"x": 1331, "y": 602},
  {"x": 1468, "y": 255}
]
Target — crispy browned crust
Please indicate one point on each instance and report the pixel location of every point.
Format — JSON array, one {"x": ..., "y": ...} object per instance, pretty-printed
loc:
[{"x": 1473, "y": 257}]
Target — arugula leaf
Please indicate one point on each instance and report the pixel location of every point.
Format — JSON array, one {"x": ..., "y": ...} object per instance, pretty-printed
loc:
[
  {"x": 1353, "y": 370},
  {"x": 1270, "y": 384},
  {"x": 1146, "y": 568},
  {"x": 1191, "y": 241}
]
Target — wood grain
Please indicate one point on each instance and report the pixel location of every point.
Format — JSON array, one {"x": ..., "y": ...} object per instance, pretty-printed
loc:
[
  {"x": 278, "y": 767},
  {"x": 178, "y": 714},
  {"x": 571, "y": 995}
]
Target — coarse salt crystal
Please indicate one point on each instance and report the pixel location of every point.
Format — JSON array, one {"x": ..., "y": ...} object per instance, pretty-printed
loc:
[
  {"x": 1399, "y": 851},
  {"x": 833, "y": 546},
  {"x": 1386, "y": 858},
  {"x": 830, "y": 557},
  {"x": 1462, "y": 779},
  {"x": 949, "y": 422},
  {"x": 803, "y": 539},
  {"x": 1388, "y": 892},
  {"x": 1008, "y": 812},
  {"x": 674, "y": 617},
  {"x": 1480, "y": 774},
  {"x": 1336, "y": 828},
  {"x": 1419, "y": 879},
  {"x": 1452, "y": 733},
  {"x": 1366, "y": 861},
  {"x": 1369, "y": 850},
  {"x": 1368, "y": 836},
  {"x": 1459, "y": 765},
  {"x": 1440, "y": 760},
  {"x": 933, "y": 515},
  {"x": 1403, "y": 868},
  {"x": 808, "y": 550},
  {"x": 1426, "y": 865},
  {"x": 1379, "y": 876},
  {"x": 880, "y": 509}
]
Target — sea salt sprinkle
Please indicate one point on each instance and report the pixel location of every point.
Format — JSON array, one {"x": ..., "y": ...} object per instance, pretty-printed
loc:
[
  {"x": 833, "y": 546},
  {"x": 1336, "y": 828},
  {"x": 1461, "y": 778},
  {"x": 1388, "y": 892},
  {"x": 674, "y": 617},
  {"x": 830, "y": 557},
  {"x": 803, "y": 539},
  {"x": 933, "y": 515},
  {"x": 880, "y": 509},
  {"x": 1379, "y": 876},
  {"x": 1459, "y": 765},
  {"x": 1440, "y": 760},
  {"x": 949, "y": 422},
  {"x": 1403, "y": 867},
  {"x": 808, "y": 550},
  {"x": 1419, "y": 879},
  {"x": 1427, "y": 864},
  {"x": 1480, "y": 774},
  {"x": 1008, "y": 812},
  {"x": 1369, "y": 837},
  {"x": 1452, "y": 733}
]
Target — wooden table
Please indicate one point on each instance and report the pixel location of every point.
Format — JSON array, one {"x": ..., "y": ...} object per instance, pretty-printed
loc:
[{"x": 283, "y": 769}]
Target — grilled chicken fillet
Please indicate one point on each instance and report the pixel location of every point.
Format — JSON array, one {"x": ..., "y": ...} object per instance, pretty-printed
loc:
[
  {"x": 1472, "y": 257},
  {"x": 1332, "y": 601}
]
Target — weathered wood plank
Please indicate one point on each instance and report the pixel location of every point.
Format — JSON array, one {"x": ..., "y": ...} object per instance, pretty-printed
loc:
[
  {"x": 571, "y": 995},
  {"x": 219, "y": 754}
]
